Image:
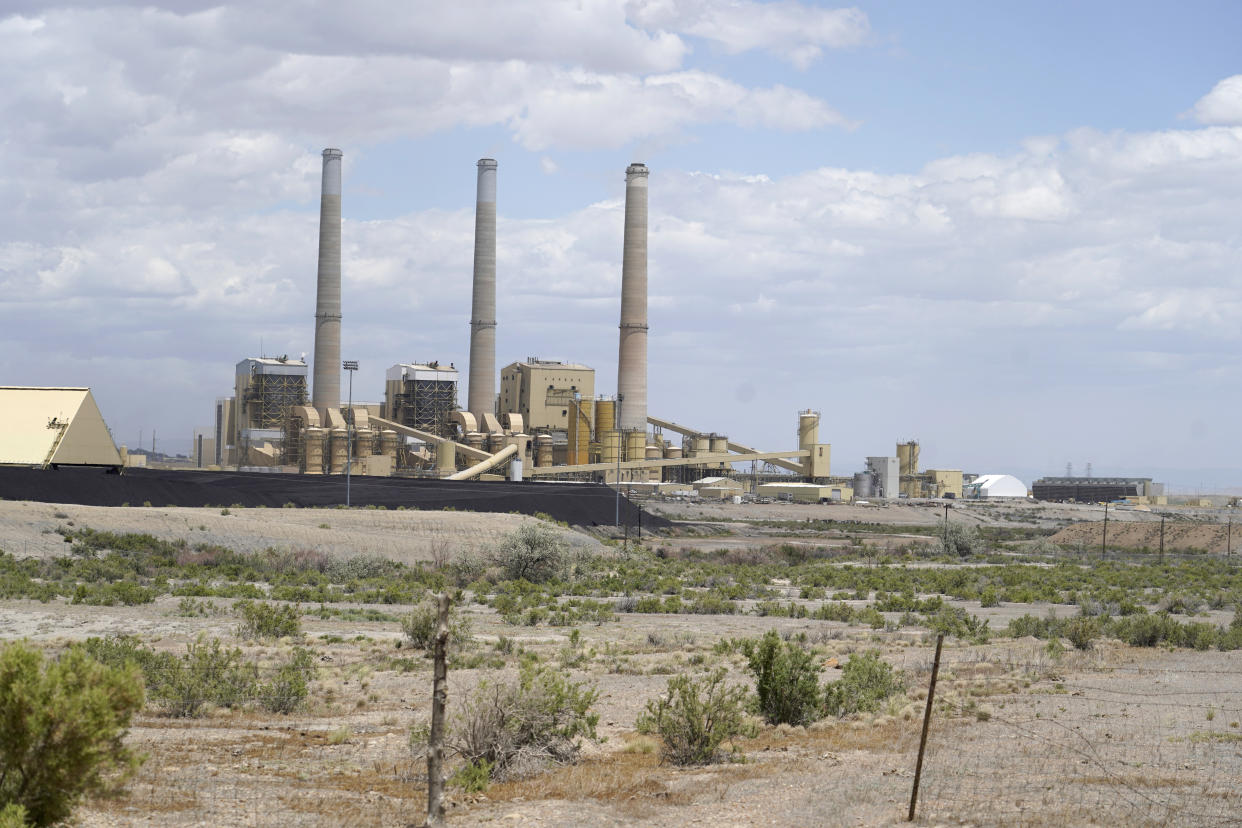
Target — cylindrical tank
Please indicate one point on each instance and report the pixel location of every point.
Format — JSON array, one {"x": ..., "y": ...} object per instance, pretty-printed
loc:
[
  {"x": 808, "y": 429},
  {"x": 496, "y": 442},
  {"x": 312, "y": 450},
  {"x": 543, "y": 450},
  {"x": 700, "y": 444},
  {"x": 653, "y": 452},
  {"x": 719, "y": 445},
  {"x": 635, "y": 445},
  {"x": 338, "y": 450},
  {"x": 446, "y": 458},
  {"x": 862, "y": 484},
  {"x": 610, "y": 446},
  {"x": 476, "y": 440},
  {"x": 672, "y": 452},
  {"x": 605, "y": 416},
  {"x": 389, "y": 442},
  {"x": 908, "y": 457}
]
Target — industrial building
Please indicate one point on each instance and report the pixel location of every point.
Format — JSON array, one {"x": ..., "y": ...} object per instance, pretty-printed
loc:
[
  {"x": 1095, "y": 489},
  {"x": 544, "y": 391},
  {"x": 995, "y": 486},
  {"x": 548, "y": 420},
  {"x": 51, "y": 427}
]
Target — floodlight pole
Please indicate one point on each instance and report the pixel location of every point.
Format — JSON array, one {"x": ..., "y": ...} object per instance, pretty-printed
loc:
[
  {"x": 617, "y": 519},
  {"x": 349, "y": 365}
]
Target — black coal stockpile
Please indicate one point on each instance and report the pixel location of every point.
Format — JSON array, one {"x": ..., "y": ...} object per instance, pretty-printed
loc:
[{"x": 578, "y": 504}]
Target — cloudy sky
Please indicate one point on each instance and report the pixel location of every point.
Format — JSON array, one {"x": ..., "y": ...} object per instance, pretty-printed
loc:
[{"x": 1014, "y": 233}]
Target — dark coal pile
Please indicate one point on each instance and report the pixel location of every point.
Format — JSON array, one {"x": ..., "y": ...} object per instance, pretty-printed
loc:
[{"x": 578, "y": 504}]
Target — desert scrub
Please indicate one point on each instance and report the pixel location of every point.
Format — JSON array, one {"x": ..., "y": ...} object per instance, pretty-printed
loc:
[
  {"x": 509, "y": 728},
  {"x": 62, "y": 725},
  {"x": 866, "y": 682},
  {"x": 290, "y": 683},
  {"x": 786, "y": 680},
  {"x": 419, "y": 627},
  {"x": 263, "y": 620},
  {"x": 208, "y": 674},
  {"x": 695, "y": 717},
  {"x": 534, "y": 552}
]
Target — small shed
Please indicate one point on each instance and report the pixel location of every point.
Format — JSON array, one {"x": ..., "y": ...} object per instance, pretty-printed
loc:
[
  {"x": 50, "y": 427},
  {"x": 717, "y": 488},
  {"x": 807, "y": 492}
]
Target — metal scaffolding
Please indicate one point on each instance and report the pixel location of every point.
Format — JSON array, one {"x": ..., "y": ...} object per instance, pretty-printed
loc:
[
  {"x": 425, "y": 404},
  {"x": 269, "y": 397}
]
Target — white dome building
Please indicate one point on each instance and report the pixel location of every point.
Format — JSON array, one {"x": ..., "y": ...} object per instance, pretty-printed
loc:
[{"x": 995, "y": 486}]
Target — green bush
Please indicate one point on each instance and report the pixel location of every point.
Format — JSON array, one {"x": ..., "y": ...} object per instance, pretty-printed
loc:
[
  {"x": 419, "y": 627},
  {"x": 960, "y": 539},
  {"x": 62, "y": 723},
  {"x": 13, "y": 815},
  {"x": 510, "y": 728},
  {"x": 866, "y": 682},
  {"x": 263, "y": 620},
  {"x": 208, "y": 673},
  {"x": 534, "y": 552},
  {"x": 290, "y": 684},
  {"x": 1081, "y": 630},
  {"x": 786, "y": 680},
  {"x": 695, "y": 717}
]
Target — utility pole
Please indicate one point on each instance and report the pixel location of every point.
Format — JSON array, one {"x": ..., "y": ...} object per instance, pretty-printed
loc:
[
  {"x": 1162, "y": 518},
  {"x": 1229, "y": 538},
  {"x": 1104, "y": 542},
  {"x": 946, "y": 527},
  {"x": 349, "y": 365}
]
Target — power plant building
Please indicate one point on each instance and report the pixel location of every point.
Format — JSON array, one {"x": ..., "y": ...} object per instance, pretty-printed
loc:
[
  {"x": 422, "y": 396},
  {"x": 1094, "y": 489},
  {"x": 547, "y": 393}
]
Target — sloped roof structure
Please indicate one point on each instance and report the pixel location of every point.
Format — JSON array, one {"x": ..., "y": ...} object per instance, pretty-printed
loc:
[
  {"x": 996, "y": 485},
  {"x": 53, "y": 426}
]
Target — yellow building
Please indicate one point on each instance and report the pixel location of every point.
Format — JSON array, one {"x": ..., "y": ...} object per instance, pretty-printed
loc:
[
  {"x": 543, "y": 391},
  {"x": 944, "y": 482},
  {"x": 52, "y": 427}
]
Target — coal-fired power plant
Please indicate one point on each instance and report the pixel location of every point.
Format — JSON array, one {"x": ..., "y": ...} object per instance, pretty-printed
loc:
[
  {"x": 547, "y": 420},
  {"x": 632, "y": 351},
  {"x": 326, "y": 390},
  {"x": 481, "y": 394}
]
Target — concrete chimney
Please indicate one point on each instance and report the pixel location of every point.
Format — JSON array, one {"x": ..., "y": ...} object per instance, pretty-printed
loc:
[
  {"x": 326, "y": 387},
  {"x": 481, "y": 396},
  {"x": 632, "y": 353}
]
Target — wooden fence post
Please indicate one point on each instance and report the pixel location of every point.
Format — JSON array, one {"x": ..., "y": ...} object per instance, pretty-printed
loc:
[{"x": 439, "y": 699}]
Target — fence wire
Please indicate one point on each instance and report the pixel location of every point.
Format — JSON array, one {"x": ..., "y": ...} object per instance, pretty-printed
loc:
[{"x": 1036, "y": 743}]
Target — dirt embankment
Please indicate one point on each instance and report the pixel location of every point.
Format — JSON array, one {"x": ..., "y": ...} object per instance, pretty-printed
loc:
[{"x": 1179, "y": 536}]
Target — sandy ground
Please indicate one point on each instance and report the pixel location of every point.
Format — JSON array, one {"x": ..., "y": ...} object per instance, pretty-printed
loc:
[
  {"x": 1114, "y": 736},
  {"x": 28, "y": 529}
]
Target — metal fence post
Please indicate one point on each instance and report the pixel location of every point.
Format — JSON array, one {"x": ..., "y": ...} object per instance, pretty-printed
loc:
[{"x": 927, "y": 714}]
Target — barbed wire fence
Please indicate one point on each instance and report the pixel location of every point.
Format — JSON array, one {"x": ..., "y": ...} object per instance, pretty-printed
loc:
[{"x": 1086, "y": 738}]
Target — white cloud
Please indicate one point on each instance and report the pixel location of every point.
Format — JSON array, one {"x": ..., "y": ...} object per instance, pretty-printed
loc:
[
  {"x": 1223, "y": 105},
  {"x": 796, "y": 32}
]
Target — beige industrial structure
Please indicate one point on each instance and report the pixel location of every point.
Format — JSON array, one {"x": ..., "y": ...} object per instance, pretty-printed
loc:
[
  {"x": 546, "y": 392},
  {"x": 547, "y": 420},
  {"x": 806, "y": 492},
  {"x": 49, "y": 427}
]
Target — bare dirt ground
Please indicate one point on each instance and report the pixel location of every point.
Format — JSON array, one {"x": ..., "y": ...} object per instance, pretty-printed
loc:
[
  {"x": 1113, "y": 736},
  {"x": 29, "y": 529},
  {"x": 1179, "y": 536}
]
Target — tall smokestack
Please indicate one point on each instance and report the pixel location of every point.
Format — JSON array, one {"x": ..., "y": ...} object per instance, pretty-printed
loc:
[
  {"x": 481, "y": 397},
  {"x": 632, "y": 354},
  {"x": 326, "y": 390}
]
